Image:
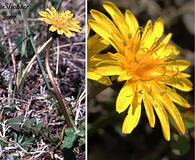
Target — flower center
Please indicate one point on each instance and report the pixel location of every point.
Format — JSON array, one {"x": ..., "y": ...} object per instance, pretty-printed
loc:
[{"x": 142, "y": 66}]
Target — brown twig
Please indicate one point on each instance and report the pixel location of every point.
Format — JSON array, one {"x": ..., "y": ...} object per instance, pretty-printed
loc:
[
  {"x": 56, "y": 91},
  {"x": 46, "y": 4}
]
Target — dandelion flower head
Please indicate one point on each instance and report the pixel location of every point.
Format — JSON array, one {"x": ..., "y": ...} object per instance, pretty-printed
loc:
[
  {"x": 147, "y": 63},
  {"x": 62, "y": 22}
]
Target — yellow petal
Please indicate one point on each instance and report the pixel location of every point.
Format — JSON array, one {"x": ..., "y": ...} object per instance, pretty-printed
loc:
[
  {"x": 116, "y": 56},
  {"x": 178, "y": 99},
  {"x": 175, "y": 97},
  {"x": 147, "y": 38},
  {"x": 101, "y": 79},
  {"x": 60, "y": 31},
  {"x": 178, "y": 65},
  {"x": 52, "y": 28},
  {"x": 160, "y": 111},
  {"x": 146, "y": 33},
  {"x": 175, "y": 74},
  {"x": 43, "y": 14},
  {"x": 101, "y": 18},
  {"x": 118, "y": 18},
  {"x": 179, "y": 83},
  {"x": 125, "y": 97},
  {"x": 149, "y": 110},
  {"x": 46, "y": 20},
  {"x": 166, "y": 39},
  {"x": 68, "y": 33},
  {"x": 152, "y": 34},
  {"x": 162, "y": 115},
  {"x": 173, "y": 111},
  {"x": 137, "y": 99},
  {"x": 132, "y": 119},
  {"x": 158, "y": 28},
  {"x": 100, "y": 60},
  {"x": 53, "y": 10},
  {"x": 131, "y": 22},
  {"x": 163, "y": 50},
  {"x": 124, "y": 76},
  {"x": 109, "y": 69},
  {"x": 165, "y": 100},
  {"x": 102, "y": 57},
  {"x": 95, "y": 45},
  {"x": 105, "y": 33},
  {"x": 167, "y": 52},
  {"x": 74, "y": 28}
]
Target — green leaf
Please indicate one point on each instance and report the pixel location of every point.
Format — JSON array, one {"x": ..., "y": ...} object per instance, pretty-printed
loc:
[
  {"x": 2, "y": 144},
  {"x": 10, "y": 108},
  {"x": 27, "y": 143},
  {"x": 69, "y": 139},
  {"x": 16, "y": 122},
  {"x": 81, "y": 133},
  {"x": 54, "y": 138},
  {"x": 18, "y": 42},
  {"x": 27, "y": 126},
  {"x": 180, "y": 145},
  {"x": 2, "y": 50}
]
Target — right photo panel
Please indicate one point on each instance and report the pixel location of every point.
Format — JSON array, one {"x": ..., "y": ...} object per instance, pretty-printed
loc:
[{"x": 140, "y": 63}]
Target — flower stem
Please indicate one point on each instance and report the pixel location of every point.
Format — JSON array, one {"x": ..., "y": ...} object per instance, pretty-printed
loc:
[{"x": 56, "y": 91}]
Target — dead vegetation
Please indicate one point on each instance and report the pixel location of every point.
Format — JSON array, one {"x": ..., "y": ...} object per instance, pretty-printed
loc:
[{"x": 31, "y": 123}]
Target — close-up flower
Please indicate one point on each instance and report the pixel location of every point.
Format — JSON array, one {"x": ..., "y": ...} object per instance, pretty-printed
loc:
[
  {"x": 63, "y": 22},
  {"x": 94, "y": 46},
  {"x": 147, "y": 63}
]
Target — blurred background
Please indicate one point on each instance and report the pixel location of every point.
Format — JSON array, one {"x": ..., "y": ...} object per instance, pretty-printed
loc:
[{"x": 105, "y": 140}]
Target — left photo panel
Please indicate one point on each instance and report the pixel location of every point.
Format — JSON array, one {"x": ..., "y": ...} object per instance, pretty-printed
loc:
[{"x": 42, "y": 80}]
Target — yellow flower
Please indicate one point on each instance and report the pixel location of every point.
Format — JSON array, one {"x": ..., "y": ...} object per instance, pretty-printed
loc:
[
  {"x": 62, "y": 22},
  {"x": 147, "y": 64},
  {"x": 94, "y": 46}
]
